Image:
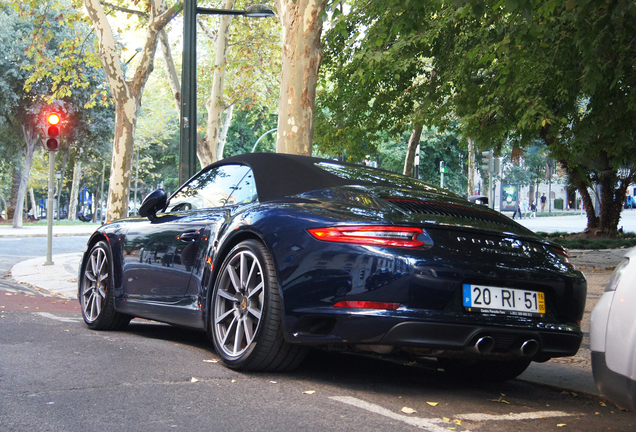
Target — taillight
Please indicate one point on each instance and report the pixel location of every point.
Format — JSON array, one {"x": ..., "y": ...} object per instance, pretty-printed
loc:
[
  {"x": 367, "y": 305},
  {"x": 406, "y": 237},
  {"x": 563, "y": 256}
]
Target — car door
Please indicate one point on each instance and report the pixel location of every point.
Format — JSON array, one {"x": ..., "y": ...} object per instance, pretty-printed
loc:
[{"x": 161, "y": 254}]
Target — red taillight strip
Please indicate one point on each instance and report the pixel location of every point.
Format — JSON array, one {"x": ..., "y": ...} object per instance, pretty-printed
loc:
[
  {"x": 565, "y": 257},
  {"x": 367, "y": 305},
  {"x": 371, "y": 235}
]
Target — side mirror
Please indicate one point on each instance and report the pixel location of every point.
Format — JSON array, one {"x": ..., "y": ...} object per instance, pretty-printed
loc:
[{"x": 153, "y": 203}]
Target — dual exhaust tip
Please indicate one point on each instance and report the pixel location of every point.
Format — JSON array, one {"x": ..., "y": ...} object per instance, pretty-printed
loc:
[{"x": 485, "y": 345}]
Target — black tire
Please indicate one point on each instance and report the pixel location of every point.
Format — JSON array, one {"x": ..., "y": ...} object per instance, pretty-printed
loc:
[
  {"x": 483, "y": 370},
  {"x": 96, "y": 291},
  {"x": 246, "y": 313}
]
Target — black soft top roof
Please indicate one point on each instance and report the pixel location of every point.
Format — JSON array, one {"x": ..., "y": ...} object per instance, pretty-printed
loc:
[{"x": 279, "y": 175}]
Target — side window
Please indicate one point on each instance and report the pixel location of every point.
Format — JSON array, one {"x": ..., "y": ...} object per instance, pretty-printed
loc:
[
  {"x": 245, "y": 191},
  {"x": 215, "y": 188}
]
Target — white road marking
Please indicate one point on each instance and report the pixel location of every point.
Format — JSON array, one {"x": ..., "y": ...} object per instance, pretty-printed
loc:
[
  {"x": 432, "y": 424},
  {"x": 426, "y": 424},
  {"x": 58, "y": 318},
  {"x": 519, "y": 416}
]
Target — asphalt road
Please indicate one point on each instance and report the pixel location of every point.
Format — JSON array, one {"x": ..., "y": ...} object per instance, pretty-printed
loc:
[{"x": 57, "y": 375}]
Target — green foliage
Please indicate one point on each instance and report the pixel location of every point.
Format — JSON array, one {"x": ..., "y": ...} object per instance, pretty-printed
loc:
[
  {"x": 374, "y": 76},
  {"x": 253, "y": 65},
  {"x": 248, "y": 125},
  {"x": 27, "y": 95},
  {"x": 530, "y": 169},
  {"x": 156, "y": 141}
]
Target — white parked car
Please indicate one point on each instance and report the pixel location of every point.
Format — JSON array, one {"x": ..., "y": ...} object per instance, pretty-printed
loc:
[{"x": 613, "y": 335}]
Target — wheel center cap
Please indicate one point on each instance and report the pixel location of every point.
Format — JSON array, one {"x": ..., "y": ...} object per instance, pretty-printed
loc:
[{"x": 244, "y": 303}]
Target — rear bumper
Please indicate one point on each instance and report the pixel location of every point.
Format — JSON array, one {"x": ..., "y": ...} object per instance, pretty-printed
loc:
[
  {"x": 413, "y": 335},
  {"x": 618, "y": 388}
]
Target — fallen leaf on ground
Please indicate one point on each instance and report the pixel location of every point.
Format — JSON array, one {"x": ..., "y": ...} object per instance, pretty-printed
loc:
[
  {"x": 211, "y": 361},
  {"x": 446, "y": 419},
  {"x": 194, "y": 379},
  {"x": 500, "y": 400},
  {"x": 309, "y": 392},
  {"x": 561, "y": 425},
  {"x": 407, "y": 410},
  {"x": 433, "y": 403},
  {"x": 233, "y": 381},
  {"x": 272, "y": 382}
]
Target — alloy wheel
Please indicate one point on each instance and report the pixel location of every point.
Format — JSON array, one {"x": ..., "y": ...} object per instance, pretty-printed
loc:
[{"x": 238, "y": 303}]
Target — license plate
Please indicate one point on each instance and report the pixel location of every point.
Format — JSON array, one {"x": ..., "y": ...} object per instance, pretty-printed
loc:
[{"x": 505, "y": 301}]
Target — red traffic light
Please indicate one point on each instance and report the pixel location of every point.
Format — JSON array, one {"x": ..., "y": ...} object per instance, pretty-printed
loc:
[
  {"x": 52, "y": 131},
  {"x": 53, "y": 118}
]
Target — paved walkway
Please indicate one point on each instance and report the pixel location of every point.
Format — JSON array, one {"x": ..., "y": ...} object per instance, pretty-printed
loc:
[
  {"x": 29, "y": 230},
  {"x": 59, "y": 279},
  {"x": 574, "y": 223}
]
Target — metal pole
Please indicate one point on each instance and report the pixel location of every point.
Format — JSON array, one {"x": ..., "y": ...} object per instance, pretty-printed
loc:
[
  {"x": 188, "y": 141},
  {"x": 49, "y": 211},
  {"x": 261, "y": 137}
]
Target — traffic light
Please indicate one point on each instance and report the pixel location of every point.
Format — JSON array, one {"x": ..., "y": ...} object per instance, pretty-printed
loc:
[
  {"x": 52, "y": 132},
  {"x": 487, "y": 161},
  {"x": 442, "y": 166}
]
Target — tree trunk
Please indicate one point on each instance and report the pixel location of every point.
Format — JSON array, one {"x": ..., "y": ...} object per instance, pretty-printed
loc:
[
  {"x": 31, "y": 136},
  {"x": 13, "y": 199},
  {"x": 75, "y": 186},
  {"x": 215, "y": 103},
  {"x": 121, "y": 164},
  {"x": 171, "y": 70},
  {"x": 414, "y": 140},
  {"x": 471, "y": 167},
  {"x": 302, "y": 54},
  {"x": 58, "y": 193},
  {"x": 33, "y": 207},
  {"x": 127, "y": 95},
  {"x": 579, "y": 182},
  {"x": 226, "y": 126}
]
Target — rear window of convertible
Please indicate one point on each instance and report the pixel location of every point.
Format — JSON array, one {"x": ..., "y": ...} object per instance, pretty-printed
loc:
[{"x": 375, "y": 176}]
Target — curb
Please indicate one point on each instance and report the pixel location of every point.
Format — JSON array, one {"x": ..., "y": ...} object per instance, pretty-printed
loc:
[{"x": 57, "y": 279}]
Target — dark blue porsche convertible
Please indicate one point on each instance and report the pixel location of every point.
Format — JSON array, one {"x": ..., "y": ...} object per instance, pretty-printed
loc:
[{"x": 272, "y": 254}]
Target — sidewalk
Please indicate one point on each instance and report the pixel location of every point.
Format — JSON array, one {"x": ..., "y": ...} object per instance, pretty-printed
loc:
[
  {"x": 59, "y": 279},
  {"x": 29, "y": 230}
]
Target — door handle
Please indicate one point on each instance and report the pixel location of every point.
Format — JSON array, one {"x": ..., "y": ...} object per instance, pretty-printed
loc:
[{"x": 189, "y": 236}]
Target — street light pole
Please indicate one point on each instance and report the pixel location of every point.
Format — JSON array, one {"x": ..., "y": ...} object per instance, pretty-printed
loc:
[
  {"x": 188, "y": 125},
  {"x": 261, "y": 137}
]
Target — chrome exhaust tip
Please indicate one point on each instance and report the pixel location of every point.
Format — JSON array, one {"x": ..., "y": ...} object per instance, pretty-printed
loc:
[
  {"x": 528, "y": 348},
  {"x": 484, "y": 345}
]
